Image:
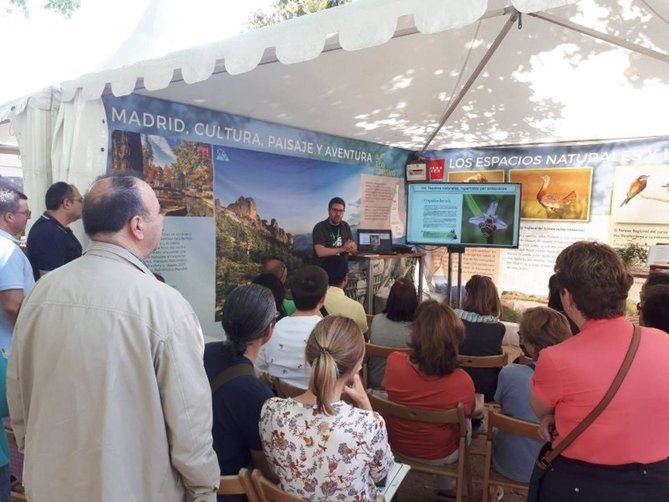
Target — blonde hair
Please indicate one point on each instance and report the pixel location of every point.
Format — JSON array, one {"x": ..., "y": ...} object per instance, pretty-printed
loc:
[
  {"x": 543, "y": 327},
  {"x": 334, "y": 348}
]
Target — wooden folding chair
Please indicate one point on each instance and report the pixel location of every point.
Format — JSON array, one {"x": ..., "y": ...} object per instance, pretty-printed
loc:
[
  {"x": 381, "y": 351},
  {"x": 509, "y": 425},
  {"x": 460, "y": 471},
  {"x": 268, "y": 491},
  {"x": 523, "y": 359},
  {"x": 284, "y": 390},
  {"x": 240, "y": 484},
  {"x": 498, "y": 361}
]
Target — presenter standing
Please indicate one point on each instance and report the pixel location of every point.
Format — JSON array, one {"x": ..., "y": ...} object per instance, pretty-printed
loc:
[{"x": 333, "y": 235}]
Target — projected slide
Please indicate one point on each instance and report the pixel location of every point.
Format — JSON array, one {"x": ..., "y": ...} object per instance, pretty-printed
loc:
[{"x": 464, "y": 214}]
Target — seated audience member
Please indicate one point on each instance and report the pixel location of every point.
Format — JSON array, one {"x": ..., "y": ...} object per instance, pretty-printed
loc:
[
  {"x": 621, "y": 456},
  {"x": 283, "y": 356},
  {"x": 271, "y": 282},
  {"x": 392, "y": 327},
  {"x": 483, "y": 332},
  {"x": 428, "y": 377},
  {"x": 514, "y": 456},
  {"x": 336, "y": 301},
  {"x": 248, "y": 316},
  {"x": 654, "y": 278},
  {"x": 555, "y": 303},
  {"x": 654, "y": 309},
  {"x": 276, "y": 266},
  {"x": 320, "y": 447}
]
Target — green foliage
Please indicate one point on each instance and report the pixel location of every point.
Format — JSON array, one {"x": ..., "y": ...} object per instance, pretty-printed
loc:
[
  {"x": 282, "y": 10},
  {"x": 63, "y": 7},
  {"x": 633, "y": 254},
  {"x": 510, "y": 315}
]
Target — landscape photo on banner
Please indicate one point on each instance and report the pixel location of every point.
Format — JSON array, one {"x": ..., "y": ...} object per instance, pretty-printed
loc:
[
  {"x": 614, "y": 192},
  {"x": 236, "y": 190}
]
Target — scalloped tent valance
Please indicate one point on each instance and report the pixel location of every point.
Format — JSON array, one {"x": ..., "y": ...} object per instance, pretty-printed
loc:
[{"x": 359, "y": 25}]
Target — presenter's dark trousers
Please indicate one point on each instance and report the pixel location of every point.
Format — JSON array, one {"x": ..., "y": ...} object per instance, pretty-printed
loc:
[{"x": 573, "y": 480}]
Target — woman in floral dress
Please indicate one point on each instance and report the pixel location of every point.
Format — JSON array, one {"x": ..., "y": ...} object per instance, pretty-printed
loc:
[{"x": 318, "y": 446}]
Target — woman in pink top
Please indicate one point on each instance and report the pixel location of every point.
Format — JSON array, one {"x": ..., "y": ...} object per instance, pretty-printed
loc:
[{"x": 624, "y": 454}]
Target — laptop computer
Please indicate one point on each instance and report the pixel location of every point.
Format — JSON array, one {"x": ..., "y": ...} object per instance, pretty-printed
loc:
[{"x": 375, "y": 241}]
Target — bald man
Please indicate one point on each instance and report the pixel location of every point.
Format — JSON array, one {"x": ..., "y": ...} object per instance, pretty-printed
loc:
[{"x": 106, "y": 379}]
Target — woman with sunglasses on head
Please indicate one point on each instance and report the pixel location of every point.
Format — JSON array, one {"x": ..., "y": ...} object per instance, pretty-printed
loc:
[{"x": 318, "y": 446}]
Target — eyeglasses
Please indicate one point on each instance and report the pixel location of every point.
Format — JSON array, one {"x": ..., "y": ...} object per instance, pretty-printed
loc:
[
  {"x": 26, "y": 212},
  {"x": 337, "y": 210}
]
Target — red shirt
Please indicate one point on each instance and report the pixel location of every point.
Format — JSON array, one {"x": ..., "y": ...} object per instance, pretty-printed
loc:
[
  {"x": 574, "y": 375},
  {"x": 408, "y": 386}
]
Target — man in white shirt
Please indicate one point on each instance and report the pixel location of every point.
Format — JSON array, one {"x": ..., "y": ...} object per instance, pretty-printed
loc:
[
  {"x": 336, "y": 301},
  {"x": 16, "y": 274},
  {"x": 283, "y": 356}
]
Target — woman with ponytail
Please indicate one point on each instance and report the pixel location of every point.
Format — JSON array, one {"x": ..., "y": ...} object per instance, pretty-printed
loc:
[
  {"x": 248, "y": 317},
  {"x": 318, "y": 446}
]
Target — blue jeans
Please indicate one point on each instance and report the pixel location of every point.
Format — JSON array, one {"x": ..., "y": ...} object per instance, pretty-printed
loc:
[{"x": 5, "y": 484}]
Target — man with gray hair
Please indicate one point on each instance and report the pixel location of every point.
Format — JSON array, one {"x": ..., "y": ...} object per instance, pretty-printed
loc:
[
  {"x": 106, "y": 387},
  {"x": 16, "y": 274}
]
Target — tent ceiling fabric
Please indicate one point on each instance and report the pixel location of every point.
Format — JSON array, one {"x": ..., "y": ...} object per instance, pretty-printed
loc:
[
  {"x": 544, "y": 84},
  {"x": 359, "y": 25}
]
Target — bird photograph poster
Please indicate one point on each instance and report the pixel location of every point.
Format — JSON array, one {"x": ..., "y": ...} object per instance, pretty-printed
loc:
[
  {"x": 554, "y": 193},
  {"x": 492, "y": 176},
  {"x": 641, "y": 194}
]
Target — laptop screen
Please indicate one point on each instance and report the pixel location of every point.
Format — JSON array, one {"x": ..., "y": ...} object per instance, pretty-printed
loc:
[{"x": 375, "y": 241}]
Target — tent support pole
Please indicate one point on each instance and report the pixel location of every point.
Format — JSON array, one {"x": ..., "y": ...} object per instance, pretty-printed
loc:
[
  {"x": 470, "y": 81},
  {"x": 602, "y": 36}
]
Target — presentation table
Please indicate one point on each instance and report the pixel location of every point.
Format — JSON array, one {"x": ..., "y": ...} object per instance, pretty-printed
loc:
[{"x": 370, "y": 276}]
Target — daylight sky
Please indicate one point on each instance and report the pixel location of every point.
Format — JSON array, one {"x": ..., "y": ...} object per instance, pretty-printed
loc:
[{"x": 47, "y": 48}]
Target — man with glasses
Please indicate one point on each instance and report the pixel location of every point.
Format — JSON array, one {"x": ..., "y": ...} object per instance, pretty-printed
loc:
[
  {"x": 16, "y": 275},
  {"x": 51, "y": 242},
  {"x": 333, "y": 236},
  {"x": 106, "y": 387}
]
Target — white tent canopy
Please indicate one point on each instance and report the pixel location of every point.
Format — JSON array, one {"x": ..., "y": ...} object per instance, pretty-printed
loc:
[{"x": 391, "y": 71}]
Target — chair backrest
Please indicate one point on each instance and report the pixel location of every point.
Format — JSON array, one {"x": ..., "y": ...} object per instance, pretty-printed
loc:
[
  {"x": 372, "y": 350},
  {"x": 268, "y": 491},
  {"x": 381, "y": 351},
  {"x": 510, "y": 425},
  {"x": 241, "y": 484},
  {"x": 523, "y": 359},
  {"x": 388, "y": 408},
  {"x": 284, "y": 390},
  {"x": 482, "y": 361}
]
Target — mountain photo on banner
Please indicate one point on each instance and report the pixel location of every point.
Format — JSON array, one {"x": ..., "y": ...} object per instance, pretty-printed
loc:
[
  {"x": 267, "y": 205},
  {"x": 180, "y": 172}
]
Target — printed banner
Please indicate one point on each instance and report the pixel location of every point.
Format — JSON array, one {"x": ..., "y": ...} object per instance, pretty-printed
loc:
[
  {"x": 236, "y": 191},
  {"x": 615, "y": 192}
]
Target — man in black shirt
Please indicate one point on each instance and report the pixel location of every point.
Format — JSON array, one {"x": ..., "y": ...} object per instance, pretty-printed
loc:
[
  {"x": 51, "y": 243},
  {"x": 333, "y": 236}
]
